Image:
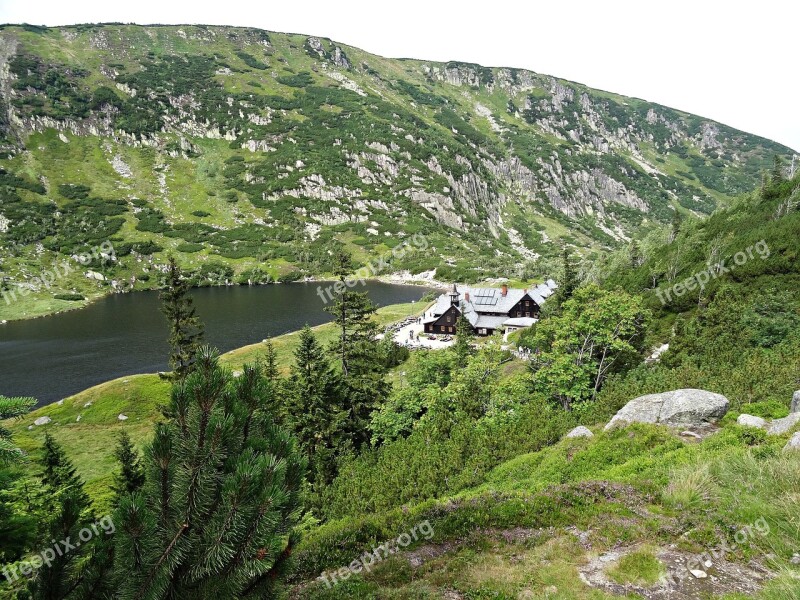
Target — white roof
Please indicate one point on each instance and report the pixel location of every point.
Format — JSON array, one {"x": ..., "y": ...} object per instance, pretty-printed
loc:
[{"x": 520, "y": 322}]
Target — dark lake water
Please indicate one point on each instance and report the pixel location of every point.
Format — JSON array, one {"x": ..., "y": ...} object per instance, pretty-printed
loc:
[{"x": 54, "y": 357}]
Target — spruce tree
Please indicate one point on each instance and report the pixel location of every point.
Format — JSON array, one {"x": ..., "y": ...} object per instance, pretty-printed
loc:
[
  {"x": 776, "y": 175},
  {"x": 352, "y": 313},
  {"x": 358, "y": 352},
  {"x": 569, "y": 278},
  {"x": 185, "y": 328},
  {"x": 59, "y": 474},
  {"x": 11, "y": 408},
  {"x": 130, "y": 476},
  {"x": 313, "y": 403},
  {"x": 271, "y": 363},
  {"x": 676, "y": 224},
  {"x": 215, "y": 517},
  {"x": 464, "y": 337},
  {"x": 67, "y": 508}
]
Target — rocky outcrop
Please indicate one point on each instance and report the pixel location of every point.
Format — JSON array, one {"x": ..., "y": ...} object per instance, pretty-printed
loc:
[
  {"x": 679, "y": 408},
  {"x": 795, "y": 402}
]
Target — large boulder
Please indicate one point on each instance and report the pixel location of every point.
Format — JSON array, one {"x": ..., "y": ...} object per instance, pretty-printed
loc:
[
  {"x": 795, "y": 402},
  {"x": 678, "y": 408},
  {"x": 580, "y": 432}
]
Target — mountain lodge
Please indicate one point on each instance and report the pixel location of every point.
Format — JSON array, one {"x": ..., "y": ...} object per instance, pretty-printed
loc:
[{"x": 488, "y": 309}]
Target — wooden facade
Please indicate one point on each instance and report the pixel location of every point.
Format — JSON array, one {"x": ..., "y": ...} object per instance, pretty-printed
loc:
[
  {"x": 446, "y": 323},
  {"x": 526, "y": 307}
]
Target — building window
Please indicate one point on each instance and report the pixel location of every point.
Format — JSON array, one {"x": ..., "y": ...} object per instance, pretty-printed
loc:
[
  {"x": 527, "y": 303},
  {"x": 450, "y": 329},
  {"x": 441, "y": 328},
  {"x": 449, "y": 318}
]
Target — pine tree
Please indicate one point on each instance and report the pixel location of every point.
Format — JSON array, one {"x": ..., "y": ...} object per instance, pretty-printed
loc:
[
  {"x": 221, "y": 497},
  {"x": 464, "y": 337},
  {"x": 130, "y": 477},
  {"x": 313, "y": 394},
  {"x": 185, "y": 328},
  {"x": 11, "y": 408}
]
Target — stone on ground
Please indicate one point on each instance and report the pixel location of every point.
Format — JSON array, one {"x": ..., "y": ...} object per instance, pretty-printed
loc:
[
  {"x": 679, "y": 408},
  {"x": 579, "y": 432}
]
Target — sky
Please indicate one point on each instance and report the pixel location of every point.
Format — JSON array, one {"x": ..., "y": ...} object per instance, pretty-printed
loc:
[{"x": 735, "y": 62}]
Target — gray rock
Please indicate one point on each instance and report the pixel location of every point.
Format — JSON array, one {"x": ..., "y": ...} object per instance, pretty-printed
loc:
[
  {"x": 795, "y": 559},
  {"x": 751, "y": 421},
  {"x": 685, "y": 408},
  {"x": 123, "y": 417},
  {"x": 580, "y": 432},
  {"x": 42, "y": 421},
  {"x": 781, "y": 426},
  {"x": 794, "y": 443},
  {"x": 698, "y": 574},
  {"x": 795, "y": 402}
]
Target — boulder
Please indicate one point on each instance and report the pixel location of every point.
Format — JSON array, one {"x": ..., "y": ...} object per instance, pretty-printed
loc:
[
  {"x": 751, "y": 421},
  {"x": 795, "y": 402},
  {"x": 123, "y": 417},
  {"x": 794, "y": 443},
  {"x": 680, "y": 408},
  {"x": 781, "y": 426},
  {"x": 580, "y": 432},
  {"x": 42, "y": 421}
]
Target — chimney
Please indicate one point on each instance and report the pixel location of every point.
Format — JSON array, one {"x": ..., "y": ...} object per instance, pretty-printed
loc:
[
  {"x": 466, "y": 296},
  {"x": 504, "y": 290}
]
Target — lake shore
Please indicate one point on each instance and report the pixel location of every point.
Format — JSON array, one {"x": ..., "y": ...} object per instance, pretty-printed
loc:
[{"x": 38, "y": 307}]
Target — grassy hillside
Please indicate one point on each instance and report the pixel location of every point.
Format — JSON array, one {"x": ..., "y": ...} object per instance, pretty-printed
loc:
[
  {"x": 600, "y": 518},
  {"x": 250, "y": 154}
]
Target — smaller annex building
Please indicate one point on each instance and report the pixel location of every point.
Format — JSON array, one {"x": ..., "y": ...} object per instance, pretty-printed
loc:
[{"x": 488, "y": 309}]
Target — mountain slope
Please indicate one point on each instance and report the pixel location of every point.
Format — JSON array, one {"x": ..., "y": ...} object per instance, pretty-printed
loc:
[{"x": 236, "y": 148}]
